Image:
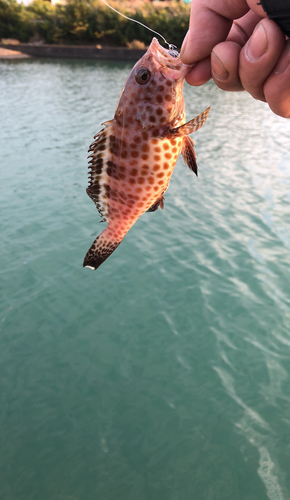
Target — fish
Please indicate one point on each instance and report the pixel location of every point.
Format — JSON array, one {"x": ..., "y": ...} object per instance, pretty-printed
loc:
[{"x": 132, "y": 158}]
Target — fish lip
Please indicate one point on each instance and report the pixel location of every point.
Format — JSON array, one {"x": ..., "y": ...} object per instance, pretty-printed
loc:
[{"x": 178, "y": 70}]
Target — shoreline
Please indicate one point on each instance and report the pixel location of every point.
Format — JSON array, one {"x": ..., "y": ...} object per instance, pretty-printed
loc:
[
  {"x": 12, "y": 54},
  {"x": 24, "y": 50}
]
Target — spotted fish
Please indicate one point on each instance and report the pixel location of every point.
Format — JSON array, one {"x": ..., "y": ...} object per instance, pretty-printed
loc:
[{"x": 134, "y": 155}]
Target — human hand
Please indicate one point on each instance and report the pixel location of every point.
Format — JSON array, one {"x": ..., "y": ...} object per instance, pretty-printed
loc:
[{"x": 235, "y": 43}]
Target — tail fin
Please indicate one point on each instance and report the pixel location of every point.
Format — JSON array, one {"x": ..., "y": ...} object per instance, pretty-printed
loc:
[{"x": 100, "y": 250}]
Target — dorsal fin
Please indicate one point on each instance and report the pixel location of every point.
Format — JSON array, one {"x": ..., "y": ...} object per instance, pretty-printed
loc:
[{"x": 99, "y": 180}]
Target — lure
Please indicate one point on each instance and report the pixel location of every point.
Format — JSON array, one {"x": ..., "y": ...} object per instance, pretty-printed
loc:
[{"x": 133, "y": 157}]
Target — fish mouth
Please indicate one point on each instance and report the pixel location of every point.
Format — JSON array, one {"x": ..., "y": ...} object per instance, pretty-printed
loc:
[{"x": 169, "y": 60}]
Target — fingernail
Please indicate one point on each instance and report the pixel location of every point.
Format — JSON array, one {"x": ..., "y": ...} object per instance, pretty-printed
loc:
[
  {"x": 258, "y": 43},
  {"x": 284, "y": 60},
  {"x": 218, "y": 69},
  {"x": 183, "y": 51}
]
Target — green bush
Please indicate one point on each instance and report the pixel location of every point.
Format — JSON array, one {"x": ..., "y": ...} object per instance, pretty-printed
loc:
[
  {"x": 15, "y": 21},
  {"x": 91, "y": 22}
]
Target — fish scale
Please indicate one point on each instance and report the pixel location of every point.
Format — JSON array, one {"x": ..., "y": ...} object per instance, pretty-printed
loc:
[{"x": 134, "y": 155}]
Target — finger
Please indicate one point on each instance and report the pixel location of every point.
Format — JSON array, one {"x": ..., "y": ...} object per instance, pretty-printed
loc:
[
  {"x": 210, "y": 23},
  {"x": 225, "y": 55},
  {"x": 240, "y": 32},
  {"x": 225, "y": 66},
  {"x": 243, "y": 28},
  {"x": 276, "y": 88},
  {"x": 259, "y": 56},
  {"x": 200, "y": 74}
]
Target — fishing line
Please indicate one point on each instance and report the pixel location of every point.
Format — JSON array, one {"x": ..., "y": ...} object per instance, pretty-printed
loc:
[{"x": 170, "y": 46}]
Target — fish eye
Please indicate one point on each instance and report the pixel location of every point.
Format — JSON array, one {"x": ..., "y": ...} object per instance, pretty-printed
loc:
[{"x": 142, "y": 76}]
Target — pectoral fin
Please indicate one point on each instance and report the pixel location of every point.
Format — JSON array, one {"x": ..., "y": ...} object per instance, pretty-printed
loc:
[
  {"x": 188, "y": 154},
  {"x": 190, "y": 126}
]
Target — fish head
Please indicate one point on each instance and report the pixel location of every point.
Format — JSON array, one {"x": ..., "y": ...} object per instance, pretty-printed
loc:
[{"x": 152, "y": 95}]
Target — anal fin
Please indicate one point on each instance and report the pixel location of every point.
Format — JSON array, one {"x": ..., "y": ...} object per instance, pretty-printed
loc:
[
  {"x": 158, "y": 203},
  {"x": 188, "y": 154}
]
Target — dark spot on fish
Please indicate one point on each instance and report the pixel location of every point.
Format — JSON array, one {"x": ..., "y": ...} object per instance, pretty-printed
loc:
[
  {"x": 134, "y": 171},
  {"x": 159, "y": 98},
  {"x": 114, "y": 195},
  {"x": 166, "y": 165},
  {"x": 168, "y": 156},
  {"x": 168, "y": 98},
  {"x": 134, "y": 154},
  {"x": 140, "y": 180},
  {"x": 156, "y": 167},
  {"x": 145, "y": 148},
  {"x": 145, "y": 136},
  {"x": 159, "y": 111},
  {"x": 157, "y": 158},
  {"x": 144, "y": 157},
  {"x": 161, "y": 174},
  {"x": 165, "y": 146},
  {"x": 152, "y": 119},
  {"x": 137, "y": 139},
  {"x": 111, "y": 164},
  {"x": 123, "y": 196}
]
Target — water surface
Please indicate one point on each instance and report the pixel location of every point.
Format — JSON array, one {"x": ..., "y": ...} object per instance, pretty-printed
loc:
[{"x": 164, "y": 375}]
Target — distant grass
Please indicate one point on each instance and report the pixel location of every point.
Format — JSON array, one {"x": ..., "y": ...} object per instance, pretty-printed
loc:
[{"x": 91, "y": 22}]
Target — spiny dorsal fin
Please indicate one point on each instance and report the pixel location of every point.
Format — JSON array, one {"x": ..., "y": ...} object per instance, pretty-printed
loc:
[{"x": 98, "y": 180}]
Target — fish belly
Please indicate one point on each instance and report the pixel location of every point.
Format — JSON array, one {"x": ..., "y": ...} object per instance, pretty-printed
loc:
[{"x": 138, "y": 181}]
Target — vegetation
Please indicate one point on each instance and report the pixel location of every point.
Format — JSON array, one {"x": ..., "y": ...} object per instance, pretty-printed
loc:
[{"x": 91, "y": 22}]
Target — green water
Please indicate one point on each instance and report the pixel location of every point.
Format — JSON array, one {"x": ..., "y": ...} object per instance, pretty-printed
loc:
[{"x": 164, "y": 375}]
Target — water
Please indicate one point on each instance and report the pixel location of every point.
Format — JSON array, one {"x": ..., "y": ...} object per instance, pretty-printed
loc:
[{"x": 164, "y": 375}]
